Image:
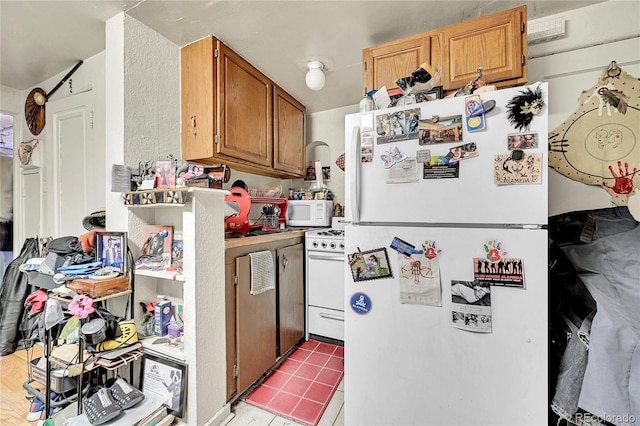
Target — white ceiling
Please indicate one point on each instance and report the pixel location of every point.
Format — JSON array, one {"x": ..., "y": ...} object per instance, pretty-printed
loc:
[{"x": 39, "y": 39}]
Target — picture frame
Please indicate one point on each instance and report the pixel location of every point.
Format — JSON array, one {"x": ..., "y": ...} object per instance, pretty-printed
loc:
[
  {"x": 434, "y": 94},
  {"x": 370, "y": 265},
  {"x": 111, "y": 249},
  {"x": 166, "y": 378},
  {"x": 165, "y": 174},
  {"x": 158, "y": 241},
  {"x": 177, "y": 252}
]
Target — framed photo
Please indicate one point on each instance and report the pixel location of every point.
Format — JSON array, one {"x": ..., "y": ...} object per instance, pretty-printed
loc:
[
  {"x": 434, "y": 94},
  {"x": 157, "y": 242},
  {"x": 111, "y": 249},
  {"x": 165, "y": 174},
  {"x": 370, "y": 265},
  {"x": 177, "y": 251},
  {"x": 166, "y": 378}
]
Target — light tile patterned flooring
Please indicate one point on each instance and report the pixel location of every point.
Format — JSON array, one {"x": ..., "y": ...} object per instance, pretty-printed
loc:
[{"x": 247, "y": 414}]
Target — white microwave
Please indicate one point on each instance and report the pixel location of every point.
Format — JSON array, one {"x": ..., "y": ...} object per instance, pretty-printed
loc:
[{"x": 309, "y": 212}]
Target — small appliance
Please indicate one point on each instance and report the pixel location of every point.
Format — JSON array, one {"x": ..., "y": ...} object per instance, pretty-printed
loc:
[{"x": 315, "y": 213}]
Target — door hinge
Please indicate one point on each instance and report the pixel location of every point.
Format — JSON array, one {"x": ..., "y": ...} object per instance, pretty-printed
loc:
[
  {"x": 522, "y": 60},
  {"x": 217, "y": 139},
  {"x": 236, "y": 371},
  {"x": 365, "y": 66},
  {"x": 235, "y": 279},
  {"x": 215, "y": 53},
  {"x": 91, "y": 119},
  {"x": 522, "y": 26}
]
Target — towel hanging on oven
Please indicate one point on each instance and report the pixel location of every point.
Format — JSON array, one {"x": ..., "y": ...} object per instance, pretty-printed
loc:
[{"x": 262, "y": 272}]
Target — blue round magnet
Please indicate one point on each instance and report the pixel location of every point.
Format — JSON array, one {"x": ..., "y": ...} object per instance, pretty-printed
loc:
[{"x": 360, "y": 303}]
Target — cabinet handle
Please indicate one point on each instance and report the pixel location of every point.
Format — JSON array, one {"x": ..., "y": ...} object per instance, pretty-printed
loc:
[
  {"x": 332, "y": 317},
  {"x": 285, "y": 262},
  {"x": 193, "y": 124}
]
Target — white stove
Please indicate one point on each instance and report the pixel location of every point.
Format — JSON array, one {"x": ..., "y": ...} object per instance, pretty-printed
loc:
[{"x": 325, "y": 263}]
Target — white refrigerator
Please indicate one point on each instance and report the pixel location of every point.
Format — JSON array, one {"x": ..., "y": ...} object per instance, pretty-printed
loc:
[{"x": 406, "y": 361}]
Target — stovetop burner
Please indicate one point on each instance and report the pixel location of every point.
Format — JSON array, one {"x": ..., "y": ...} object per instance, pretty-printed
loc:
[
  {"x": 329, "y": 239},
  {"x": 331, "y": 232}
]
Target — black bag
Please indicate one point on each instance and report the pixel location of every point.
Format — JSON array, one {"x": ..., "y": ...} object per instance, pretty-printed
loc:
[{"x": 64, "y": 246}]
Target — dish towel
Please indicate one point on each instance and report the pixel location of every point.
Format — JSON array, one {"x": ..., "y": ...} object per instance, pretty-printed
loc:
[{"x": 262, "y": 272}]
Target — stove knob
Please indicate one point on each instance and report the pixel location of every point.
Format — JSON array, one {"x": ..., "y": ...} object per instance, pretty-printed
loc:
[
  {"x": 332, "y": 245},
  {"x": 324, "y": 244},
  {"x": 314, "y": 244},
  {"x": 342, "y": 246}
]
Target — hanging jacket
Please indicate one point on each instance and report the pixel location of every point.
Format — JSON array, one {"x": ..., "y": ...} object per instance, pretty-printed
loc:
[{"x": 13, "y": 293}]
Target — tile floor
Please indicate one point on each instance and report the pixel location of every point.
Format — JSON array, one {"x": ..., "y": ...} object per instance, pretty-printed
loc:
[
  {"x": 304, "y": 381},
  {"x": 247, "y": 414}
]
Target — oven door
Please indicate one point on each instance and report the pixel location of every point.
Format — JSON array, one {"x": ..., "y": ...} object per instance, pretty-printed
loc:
[{"x": 325, "y": 279}]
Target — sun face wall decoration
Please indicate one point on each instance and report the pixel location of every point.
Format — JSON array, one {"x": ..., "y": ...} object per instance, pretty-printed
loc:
[{"x": 598, "y": 144}]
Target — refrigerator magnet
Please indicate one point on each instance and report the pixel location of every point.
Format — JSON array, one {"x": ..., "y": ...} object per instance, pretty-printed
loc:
[
  {"x": 522, "y": 141},
  {"x": 439, "y": 167},
  {"x": 522, "y": 108},
  {"x": 474, "y": 114},
  {"x": 431, "y": 251},
  {"x": 440, "y": 129},
  {"x": 462, "y": 152},
  {"x": 391, "y": 157},
  {"x": 370, "y": 265},
  {"x": 361, "y": 303},
  {"x": 517, "y": 168},
  {"x": 402, "y": 246},
  {"x": 506, "y": 272}
]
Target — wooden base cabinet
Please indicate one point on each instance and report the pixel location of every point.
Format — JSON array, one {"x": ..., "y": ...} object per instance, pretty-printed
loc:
[
  {"x": 290, "y": 297},
  {"x": 255, "y": 327},
  {"x": 496, "y": 43},
  {"x": 260, "y": 328},
  {"x": 227, "y": 112}
]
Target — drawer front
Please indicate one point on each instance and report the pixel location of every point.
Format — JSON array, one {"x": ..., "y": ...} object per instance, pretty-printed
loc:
[{"x": 326, "y": 322}]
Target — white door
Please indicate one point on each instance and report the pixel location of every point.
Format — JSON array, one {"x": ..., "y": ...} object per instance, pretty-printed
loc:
[
  {"x": 78, "y": 175},
  {"x": 568, "y": 75},
  {"x": 30, "y": 204}
]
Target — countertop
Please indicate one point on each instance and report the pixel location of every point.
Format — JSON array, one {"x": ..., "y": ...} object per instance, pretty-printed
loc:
[{"x": 234, "y": 240}]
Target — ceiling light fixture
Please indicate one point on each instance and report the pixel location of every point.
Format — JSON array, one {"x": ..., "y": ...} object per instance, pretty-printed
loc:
[{"x": 315, "y": 77}]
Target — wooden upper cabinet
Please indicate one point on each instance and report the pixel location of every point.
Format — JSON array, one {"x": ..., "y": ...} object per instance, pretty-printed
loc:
[
  {"x": 497, "y": 43},
  {"x": 229, "y": 114},
  {"x": 384, "y": 64},
  {"x": 245, "y": 107},
  {"x": 198, "y": 99},
  {"x": 288, "y": 130}
]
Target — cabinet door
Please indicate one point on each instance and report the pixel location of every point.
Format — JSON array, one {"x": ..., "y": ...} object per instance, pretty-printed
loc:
[
  {"x": 198, "y": 99},
  {"x": 288, "y": 122},
  {"x": 245, "y": 110},
  {"x": 497, "y": 43},
  {"x": 255, "y": 328},
  {"x": 384, "y": 64},
  {"x": 290, "y": 296}
]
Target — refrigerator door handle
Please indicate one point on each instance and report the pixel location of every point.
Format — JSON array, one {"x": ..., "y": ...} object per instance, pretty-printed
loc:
[{"x": 355, "y": 185}]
